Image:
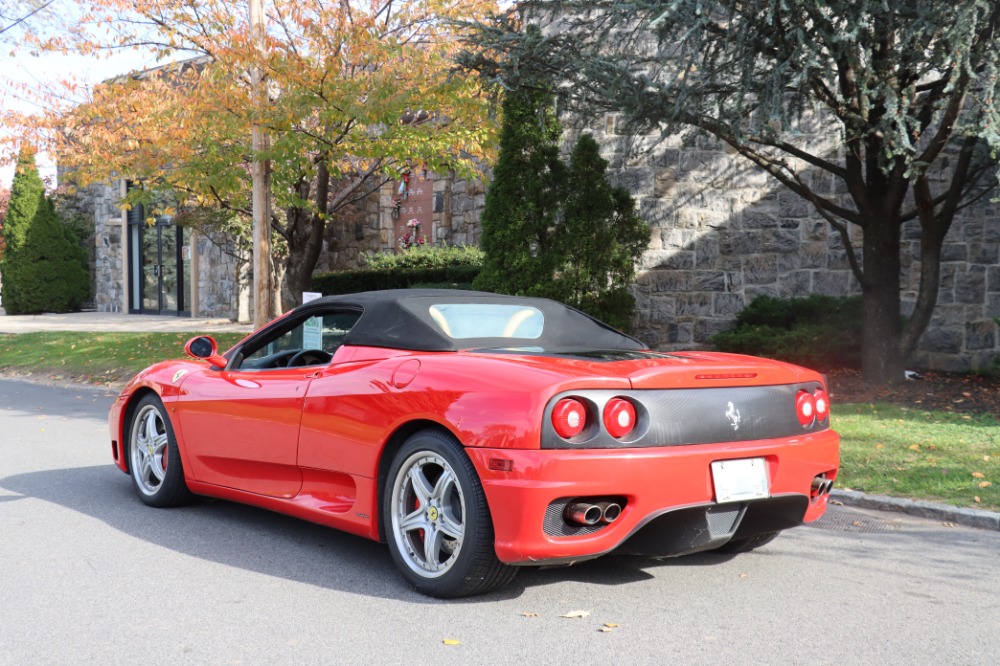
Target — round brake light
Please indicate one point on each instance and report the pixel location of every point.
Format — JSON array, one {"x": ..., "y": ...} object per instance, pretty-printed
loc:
[
  {"x": 569, "y": 418},
  {"x": 805, "y": 408},
  {"x": 619, "y": 417},
  {"x": 822, "y": 405}
]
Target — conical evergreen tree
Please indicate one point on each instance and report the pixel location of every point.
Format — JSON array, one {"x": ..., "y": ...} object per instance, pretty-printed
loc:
[
  {"x": 601, "y": 236},
  {"x": 43, "y": 267},
  {"x": 523, "y": 200},
  {"x": 548, "y": 230},
  {"x": 26, "y": 194}
]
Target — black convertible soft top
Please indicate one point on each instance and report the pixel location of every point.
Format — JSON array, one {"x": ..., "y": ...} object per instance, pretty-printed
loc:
[{"x": 402, "y": 319}]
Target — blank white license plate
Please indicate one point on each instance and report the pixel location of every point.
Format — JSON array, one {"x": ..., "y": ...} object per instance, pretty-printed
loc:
[{"x": 740, "y": 480}]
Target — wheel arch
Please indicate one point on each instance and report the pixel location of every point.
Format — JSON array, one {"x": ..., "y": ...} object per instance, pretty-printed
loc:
[
  {"x": 126, "y": 421},
  {"x": 392, "y": 446}
]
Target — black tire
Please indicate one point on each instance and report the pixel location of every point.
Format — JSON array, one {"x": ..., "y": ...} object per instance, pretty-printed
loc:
[
  {"x": 749, "y": 543},
  {"x": 154, "y": 461},
  {"x": 432, "y": 489}
]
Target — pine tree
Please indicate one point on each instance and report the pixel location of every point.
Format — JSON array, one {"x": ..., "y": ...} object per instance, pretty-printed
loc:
[
  {"x": 602, "y": 238},
  {"x": 548, "y": 230},
  {"x": 522, "y": 203},
  {"x": 26, "y": 194}
]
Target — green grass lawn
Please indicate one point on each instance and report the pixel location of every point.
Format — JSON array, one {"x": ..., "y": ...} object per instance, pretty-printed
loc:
[
  {"x": 100, "y": 358},
  {"x": 938, "y": 456},
  {"x": 885, "y": 450}
]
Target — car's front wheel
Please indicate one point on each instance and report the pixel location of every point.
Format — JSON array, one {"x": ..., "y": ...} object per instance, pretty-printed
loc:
[
  {"x": 154, "y": 461},
  {"x": 437, "y": 521}
]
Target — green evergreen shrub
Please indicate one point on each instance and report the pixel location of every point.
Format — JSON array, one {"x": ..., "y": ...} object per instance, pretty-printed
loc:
[
  {"x": 523, "y": 200},
  {"x": 44, "y": 268},
  {"x": 350, "y": 282},
  {"x": 820, "y": 332},
  {"x": 601, "y": 237},
  {"x": 558, "y": 231},
  {"x": 425, "y": 256}
]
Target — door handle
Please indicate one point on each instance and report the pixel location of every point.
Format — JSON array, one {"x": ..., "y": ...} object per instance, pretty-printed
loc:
[{"x": 313, "y": 375}]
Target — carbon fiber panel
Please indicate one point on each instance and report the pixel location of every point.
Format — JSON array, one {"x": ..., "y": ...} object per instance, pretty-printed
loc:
[{"x": 675, "y": 417}]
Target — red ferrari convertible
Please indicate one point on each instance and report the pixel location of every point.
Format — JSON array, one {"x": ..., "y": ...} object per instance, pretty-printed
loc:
[{"x": 475, "y": 433}]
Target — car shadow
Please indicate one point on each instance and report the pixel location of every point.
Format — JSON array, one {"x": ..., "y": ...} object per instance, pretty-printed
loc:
[{"x": 273, "y": 544}]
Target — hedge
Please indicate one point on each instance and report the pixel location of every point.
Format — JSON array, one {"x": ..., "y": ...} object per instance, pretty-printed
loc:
[
  {"x": 349, "y": 282},
  {"x": 819, "y": 332}
]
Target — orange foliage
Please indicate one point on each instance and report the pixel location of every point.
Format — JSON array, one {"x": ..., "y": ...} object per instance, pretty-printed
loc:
[{"x": 340, "y": 78}]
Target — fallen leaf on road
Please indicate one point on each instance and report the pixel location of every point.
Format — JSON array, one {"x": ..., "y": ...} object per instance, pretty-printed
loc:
[
  {"x": 744, "y": 575},
  {"x": 977, "y": 499},
  {"x": 576, "y": 614},
  {"x": 450, "y": 641},
  {"x": 978, "y": 475},
  {"x": 985, "y": 484},
  {"x": 949, "y": 524},
  {"x": 529, "y": 614}
]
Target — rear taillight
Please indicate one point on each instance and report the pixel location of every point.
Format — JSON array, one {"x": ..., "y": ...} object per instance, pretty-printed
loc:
[
  {"x": 822, "y": 405},
  {"x": 805, "y": 408},
  {"x": 569, "y": 418},
  {"x": 619, "y": 417}
]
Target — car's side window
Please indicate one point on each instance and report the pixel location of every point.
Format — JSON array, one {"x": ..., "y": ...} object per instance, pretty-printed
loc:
[{"x": 311, "y": 341}]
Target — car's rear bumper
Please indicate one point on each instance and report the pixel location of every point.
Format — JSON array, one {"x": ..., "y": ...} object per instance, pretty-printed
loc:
[{"x": 670, "y": 507}]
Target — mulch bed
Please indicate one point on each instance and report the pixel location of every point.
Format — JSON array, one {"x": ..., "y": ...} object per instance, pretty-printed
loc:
[{"x": 939, "y": 391}]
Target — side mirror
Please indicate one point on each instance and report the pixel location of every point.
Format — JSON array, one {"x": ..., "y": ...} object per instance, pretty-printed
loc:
[{"x": 205, "y": 347}]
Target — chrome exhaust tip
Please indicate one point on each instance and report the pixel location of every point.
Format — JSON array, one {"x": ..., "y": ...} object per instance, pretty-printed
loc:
[
  {"x": 583, "y": 513},
  {"x": 609, "y": 511}
]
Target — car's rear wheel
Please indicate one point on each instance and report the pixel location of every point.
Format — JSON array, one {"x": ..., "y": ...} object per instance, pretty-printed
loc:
[
  {"x": 154, "y": 461},
  {"x": 748, "y": 544},
  {"x": 437, "y": 521}
]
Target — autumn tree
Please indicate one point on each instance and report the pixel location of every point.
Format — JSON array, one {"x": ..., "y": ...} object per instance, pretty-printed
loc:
[
  {"x": 16, "y": 14},
  {"x": 357, "y": 91},
  {"x": 907, "y": 91}
]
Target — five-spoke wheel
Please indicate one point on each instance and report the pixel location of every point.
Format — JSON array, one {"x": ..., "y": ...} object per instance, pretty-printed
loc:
[
  {"x": 437, "y": 520},
  {"x": 154, "y": 461}
]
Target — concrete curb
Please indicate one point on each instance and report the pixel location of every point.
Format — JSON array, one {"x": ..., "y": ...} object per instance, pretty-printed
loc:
[{"x": 986, "y": 520}]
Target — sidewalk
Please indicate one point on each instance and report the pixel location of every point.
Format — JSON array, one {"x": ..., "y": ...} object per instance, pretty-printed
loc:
[{"x": 115, "y": 321}]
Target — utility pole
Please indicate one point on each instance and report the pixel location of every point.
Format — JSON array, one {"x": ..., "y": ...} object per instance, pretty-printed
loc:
[{"x": 261, "y": 175}]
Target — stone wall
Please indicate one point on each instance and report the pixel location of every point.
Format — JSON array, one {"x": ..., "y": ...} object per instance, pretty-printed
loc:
[
  {"x": 224, "y": 279},
  {"x": 723, "y": 232},
  {"x": 99, "y": 203}
]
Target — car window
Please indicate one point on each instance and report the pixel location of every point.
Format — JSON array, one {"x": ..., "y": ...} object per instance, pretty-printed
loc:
[
  {"x": 323, "y": 333},
  {"x": 488, "y": 320}
]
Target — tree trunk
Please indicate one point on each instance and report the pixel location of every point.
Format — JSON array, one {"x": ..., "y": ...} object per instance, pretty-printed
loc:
[
  {"x": 305, "y": 239},
  {"x": 881, "y": 360}
]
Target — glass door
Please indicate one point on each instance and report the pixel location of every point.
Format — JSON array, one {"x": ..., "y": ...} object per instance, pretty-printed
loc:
[{"x": 157, "y": 265}]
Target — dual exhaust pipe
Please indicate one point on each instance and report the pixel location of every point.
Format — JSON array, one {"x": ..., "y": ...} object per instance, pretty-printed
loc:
[
  {"x": 592, "y": 513},
  {"x": 821, "y": 486}
]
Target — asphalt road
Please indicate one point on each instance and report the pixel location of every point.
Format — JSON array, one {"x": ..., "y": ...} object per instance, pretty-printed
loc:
[{"x": 89, "y": 575}]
